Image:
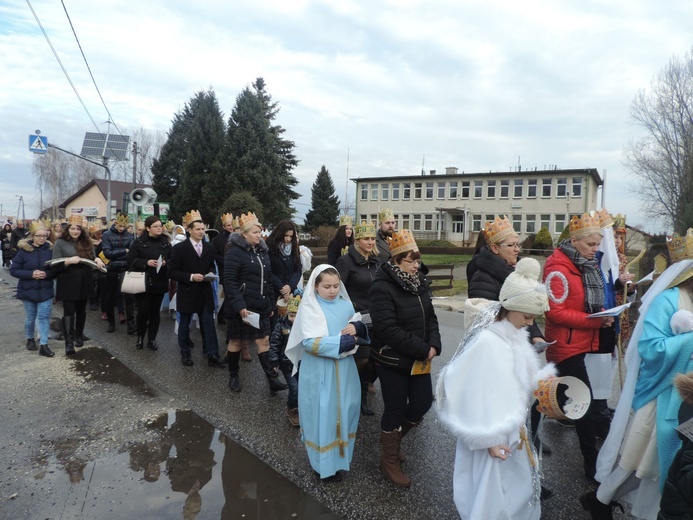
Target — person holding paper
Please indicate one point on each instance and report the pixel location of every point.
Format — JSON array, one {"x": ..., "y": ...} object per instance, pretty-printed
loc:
[{"x": 150, "y": 253}]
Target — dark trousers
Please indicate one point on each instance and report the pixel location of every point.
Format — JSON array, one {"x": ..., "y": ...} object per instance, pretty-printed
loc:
[
  {"x": 286, "y": 368},
  {"x": 77, "y": 308},
  {"x": 148, "y": 313},
  {"x": 584, "y": 427},
  {"x": 404, "y": 396},
  {"x": 209, "y": 332},
  {"x": 116, "y": 298}
]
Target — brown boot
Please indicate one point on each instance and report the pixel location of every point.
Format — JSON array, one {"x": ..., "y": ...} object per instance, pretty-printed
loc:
[
  {"x": 389, "y": 462},
  {"x": 245, "y": 353},
  {"x": 406, "y": 427}
]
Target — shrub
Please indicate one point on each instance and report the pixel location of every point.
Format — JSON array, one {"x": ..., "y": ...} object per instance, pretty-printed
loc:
[{"x": 543, "y": 240}]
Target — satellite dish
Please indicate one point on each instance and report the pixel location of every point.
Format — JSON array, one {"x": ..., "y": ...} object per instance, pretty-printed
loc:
[{"x": 142, "y": 196}]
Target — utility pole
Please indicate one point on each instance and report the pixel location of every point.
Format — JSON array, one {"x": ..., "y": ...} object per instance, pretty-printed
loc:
[{"x": 134, "y": 165}]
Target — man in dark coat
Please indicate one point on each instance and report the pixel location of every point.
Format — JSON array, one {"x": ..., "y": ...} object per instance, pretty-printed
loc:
[
  {"x": 191, "y": 260},
  {"x": 387, "y": 223},
  {"x": 115, "y": 244},
  {"x": 18, "y": 233}
]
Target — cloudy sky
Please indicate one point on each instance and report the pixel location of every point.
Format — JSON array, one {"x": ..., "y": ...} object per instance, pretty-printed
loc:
[{"x": 394, "y": 85}]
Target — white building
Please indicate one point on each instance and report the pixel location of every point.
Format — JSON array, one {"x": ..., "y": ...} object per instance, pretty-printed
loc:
[{"x": 455, "y": 206}]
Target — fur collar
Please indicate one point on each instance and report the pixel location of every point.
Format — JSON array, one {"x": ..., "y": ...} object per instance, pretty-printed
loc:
[
  {"x": 27, "y": 244},
  {"x": 238, "y": 239}
]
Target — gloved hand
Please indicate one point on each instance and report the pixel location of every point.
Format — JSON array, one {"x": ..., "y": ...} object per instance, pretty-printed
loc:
[{"x": 346, "y": 343}]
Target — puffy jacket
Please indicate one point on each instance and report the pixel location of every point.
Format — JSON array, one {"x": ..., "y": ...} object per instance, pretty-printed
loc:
[
  {"x": 145, "y": 248},
  {"x": 114, "y": 245},
  {"x": 30, "y": 258},
  {"x": 278, "y": 342},
  {"x": 566, "y": 321},
  {"x": 405, "y": 325},
  {"x": 248, "y": 277},
  {"x": 357, "y": 273},
  {"x": 491, "y": 271}
]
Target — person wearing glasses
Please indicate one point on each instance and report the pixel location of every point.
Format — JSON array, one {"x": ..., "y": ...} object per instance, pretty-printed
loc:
[{"x": 35, "y": 286}]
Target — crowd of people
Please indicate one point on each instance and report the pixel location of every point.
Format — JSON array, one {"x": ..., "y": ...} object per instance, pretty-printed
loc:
[{"x": 367, "y": 315}]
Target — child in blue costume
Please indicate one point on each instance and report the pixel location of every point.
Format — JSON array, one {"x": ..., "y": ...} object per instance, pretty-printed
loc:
[{"x": 323, "y": 339}]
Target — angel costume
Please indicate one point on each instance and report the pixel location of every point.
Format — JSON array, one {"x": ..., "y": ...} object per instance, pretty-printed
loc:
[
  {"x": 488, "y": 488},
  {"x": 329, "y": 389}
]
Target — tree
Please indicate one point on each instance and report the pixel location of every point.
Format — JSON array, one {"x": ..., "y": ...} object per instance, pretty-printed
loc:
[
  {"x": 543, "y": 240},
  {"x": 241, "y": 202},
  {"x": 324, "y": 209},
  {"x": 662, "y": 160}
]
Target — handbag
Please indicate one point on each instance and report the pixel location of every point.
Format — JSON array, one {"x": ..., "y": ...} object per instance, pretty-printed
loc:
[{"x": 134, "y": 282}]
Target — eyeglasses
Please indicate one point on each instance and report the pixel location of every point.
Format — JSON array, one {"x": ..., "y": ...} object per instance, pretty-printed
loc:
[
  {"x": 417, "y": 262},
  {"x": 515, "y": 245}
]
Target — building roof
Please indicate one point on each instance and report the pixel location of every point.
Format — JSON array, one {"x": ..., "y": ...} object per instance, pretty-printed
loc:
[
  {"x": 592, "y": 172},
  {"x": 118, "y": 188}
]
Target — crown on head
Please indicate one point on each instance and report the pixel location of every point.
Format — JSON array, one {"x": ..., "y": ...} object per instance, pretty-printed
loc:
[
  {"x": 680, "y": 247},
  {"x": 605, "y": 219},
  {"x": 170, "y": 224},
  {"x": 587, "y": 224},
  {"x": 38, "y": 225},
  {"x": 364, "y": 230},
  {"x": 401, "y": 242},
  {"x": 293, "y": 303},
  {"x": 122, "y": 219},
  {"x": 498, "y": 230},
  {"x": 345, "y": 220},
  {"x": 385, "y": 214},
  {"x": 248, "y": 219},
  {"x": 226, "y": 217},
  {"x": 75, "y": 219},
  {"x": 93, "y": 229},
  {"x": 236, "y": 222},
  {"x": 191, "y": 216},
  {"x": 619, "y": 223}
]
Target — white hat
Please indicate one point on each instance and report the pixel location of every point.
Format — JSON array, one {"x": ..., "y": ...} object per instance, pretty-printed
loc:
[{"x": 521, "y": 290}]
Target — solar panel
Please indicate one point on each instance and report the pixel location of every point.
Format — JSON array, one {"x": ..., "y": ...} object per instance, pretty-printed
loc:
[{"x": 95, "y": 146}]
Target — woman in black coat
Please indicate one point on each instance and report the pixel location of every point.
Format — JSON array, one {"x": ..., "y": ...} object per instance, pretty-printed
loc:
[
  {"x": 404, "y": 341},
  {"x": 35, "y": 286},
  {"x": 248, "y": 289},
  {"x": 342, "y": 239},
  {"x": 144, "y": 255},
  {"x": 285, "y": 259},
  {"x": 5, "y": 240}
]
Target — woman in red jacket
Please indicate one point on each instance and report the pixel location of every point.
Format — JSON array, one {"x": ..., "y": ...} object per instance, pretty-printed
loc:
[{"x": 576, "y": 289}]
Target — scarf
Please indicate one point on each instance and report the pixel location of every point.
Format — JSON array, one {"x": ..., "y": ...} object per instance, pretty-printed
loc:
[
  {"x": 592, "y": 280},
  {"x": 286, "y": 249},
  {"x": 411, "y": 282}
]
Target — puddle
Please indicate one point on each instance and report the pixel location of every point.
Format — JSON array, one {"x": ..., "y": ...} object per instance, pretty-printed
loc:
[{"x": 186, "y": 469}]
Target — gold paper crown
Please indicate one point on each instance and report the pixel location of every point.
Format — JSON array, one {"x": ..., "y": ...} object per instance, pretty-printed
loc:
[
  {"x": 37, "y": 225},
  {"x": 605, "y": 219},
  {"x": 385, "y": 214},
  {"x": 345, "y": 220},
  {"x": 248, "y": 219},
  {"x": 364, "y": 230},
  {"x": 680, "y": 247},
  {"x": 225, "y": 217},
  {"x": 123, "y": 219},
  {"x": 170, "y": 224},
  {"x": 293, "y": 303},
  {"x": 619, "y": 223},
  {"x": 498, "y": 230},
  {"x": 401, "y": 242},
  {"x": 236, "y": 222},
  {"x": 191, "y": 216},
  {"x": 74, "y": 219},
  {"x": 584, "y": 226},
  {"x": 547, "y": 397},
  {"x": 93, "y": 229}
]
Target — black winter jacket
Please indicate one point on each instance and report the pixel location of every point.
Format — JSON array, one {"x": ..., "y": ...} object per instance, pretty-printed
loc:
[
  {"x": 29, "y": 259},
  {"x": 278, "y": 342},
  {"x": 145, "y": 248},
  {"x": 17, "y": 235},
  {"x": 248, "y": 278},
  {"x": 219, "y": 245},
  {"x": 405, "y": 325},
  {"x": 285, "y": 271},
  {"x": 114, "y": 245},
  {"x": 357, "y": 274}
]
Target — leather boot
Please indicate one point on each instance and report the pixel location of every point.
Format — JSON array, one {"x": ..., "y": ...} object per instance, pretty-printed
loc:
[
  {"x": 31, "y": 344},
  {"x": 234, "y": 381},
  {"x": 110, "y": 316},
  {"x": 365, "y": 409},
  {"x": 45, "y": 351},
  {"x": 245, "y": 353},
  {"x": 140, "y": 343},
  {"x": 596, "y": 509},
  {"x": 132, "y": 326},
  {"x": 80, "y": 338},
  {"x": 272, "y": 375},
  {"x": 406, "y": 428},
  {"x": 69, "y": 335},
  {"x": 389, "y": 462}
]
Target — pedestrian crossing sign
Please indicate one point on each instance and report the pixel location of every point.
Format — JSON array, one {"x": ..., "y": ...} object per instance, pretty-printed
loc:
[{"x": 38, "y": 143}]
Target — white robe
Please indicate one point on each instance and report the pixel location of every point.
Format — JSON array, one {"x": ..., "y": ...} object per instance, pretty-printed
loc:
[{"x": 488, "y": 391}]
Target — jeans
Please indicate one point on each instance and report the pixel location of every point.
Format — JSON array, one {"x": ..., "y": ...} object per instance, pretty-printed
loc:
[
  {"x": 286, "y": 368},
  {"x": 42, "y": 310},
  {"x": 209, "y": 332}
]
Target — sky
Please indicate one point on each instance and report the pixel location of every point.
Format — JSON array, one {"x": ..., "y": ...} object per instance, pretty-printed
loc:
[{"x": 367, "y": 88}]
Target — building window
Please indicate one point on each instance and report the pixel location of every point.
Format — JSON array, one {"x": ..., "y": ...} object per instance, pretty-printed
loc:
[
  {"x": 441, "y": 190},
  {"x": 364, "y": 191},
  {"x": 363, "y": 218},
  {"x": 395, "y": 191},
  {"x": 476, "y": 223},
  {"x": 517, "y": 223},
  {"x": 559, "y": 223},
  {"x": 384, "y": 191},
  {"x": 453, "y": 190},
  {"x": 491, "y": 189},
  {"x": 545, "y": 222},
  {"x": 546, "y": 187},
  {"x": 406, "y": 191},
  {"x": 465, "y": 189},
  {"x": 429, "y": 191},
  {"x": 490, "y": 217},
  {"x": 374, "y": 192},
  {"x": 428, "y": 222},
  {"x": 417, "y": 190},
  {"x": 517, "y": 188},
  {"x": 561, "y": 188},
  {"x": 405, "y": 221},
  {"x": 478, "y": 189},
  {"x": 531, "y": 188},
  {"x": 417, "y": 222},
  {"x": 530, "y": 224},
  {"x": 505, "y": 189},
  {"x": 396, "y": 221},
  {"x": 577, "y": 187},
  {"x": 458, "y": 223}
]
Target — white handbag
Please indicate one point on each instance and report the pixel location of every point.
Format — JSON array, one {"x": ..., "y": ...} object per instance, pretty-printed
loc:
[{"x": 134, "y": 282}]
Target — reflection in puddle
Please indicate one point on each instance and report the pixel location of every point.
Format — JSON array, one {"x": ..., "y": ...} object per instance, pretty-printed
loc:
[
  {"x": 186, "y": 469},
  {"x": 97, "y": 364}
]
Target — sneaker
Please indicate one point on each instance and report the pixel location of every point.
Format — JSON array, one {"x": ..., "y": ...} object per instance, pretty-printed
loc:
[{"x": 292, "y": 415}]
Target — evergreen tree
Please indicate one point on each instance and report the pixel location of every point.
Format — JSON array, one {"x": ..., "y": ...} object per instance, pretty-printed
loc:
[
  {"x": 324, "y": 209},
  {"x": 241, "y": 202},
  {"x": 167, "y": 167}
]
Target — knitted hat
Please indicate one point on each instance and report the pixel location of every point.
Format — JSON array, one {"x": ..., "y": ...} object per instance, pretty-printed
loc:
[{"x": 521, "y": 290}]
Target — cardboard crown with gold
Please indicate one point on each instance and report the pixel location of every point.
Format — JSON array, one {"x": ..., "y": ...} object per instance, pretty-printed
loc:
[
  {"x": 38, "y": 225},
  {"x": 498, "y": 230},
  {"x": 364, "y": 230},
  {"x": 226, "y": 217},
  {"x": 401, "y": 242},
  {"x": 122, "y": 219},
  {"x": 563, "y": 397},
  {"x": 605, "y": 219},
  {"x": 191, "y": 216},
  {"x": 584, "y": 225},
  {"x": 293, "y": 303},
  {"x": 680, "y": 247},
  {"x": 248, "y": 219},
  {"x": 75, "y": 220},
  {"x": 384, "y": 215},
  {"x": 345, "y": 220},
  {"x": 619, "y": 223},
  {"x": 170, "y": 224}
]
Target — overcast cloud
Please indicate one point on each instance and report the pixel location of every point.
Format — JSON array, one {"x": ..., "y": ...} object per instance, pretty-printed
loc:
[{"x": 472, "y": 84}]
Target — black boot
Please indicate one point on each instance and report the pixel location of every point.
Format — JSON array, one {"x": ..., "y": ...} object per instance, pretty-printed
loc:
[
  {"x": 132, "y": 326},
  {"x": 140, "y": 343},
  {"x": 365, "y": 409},
  {"x": 151, "y": 345},
  {"x": 80, "y": 338},
  {"x": 69, "y": 335},
  {"x": 45, "y": 351},
  {"x": 596, "y": 509},
  {"x": 31, "y": 344},
  {"x": 234, "y": 381},
  {"x": 275, "y": 385}
]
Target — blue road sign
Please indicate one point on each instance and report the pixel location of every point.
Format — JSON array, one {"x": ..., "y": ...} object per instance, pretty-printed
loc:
[{"x": 38, "y": 143}]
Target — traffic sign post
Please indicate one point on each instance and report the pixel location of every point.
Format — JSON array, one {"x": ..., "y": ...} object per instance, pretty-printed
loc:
[{"x": 38, "y": 143}]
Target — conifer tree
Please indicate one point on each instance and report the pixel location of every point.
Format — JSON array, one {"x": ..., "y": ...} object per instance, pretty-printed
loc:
[{"x": 324, "y": 202}]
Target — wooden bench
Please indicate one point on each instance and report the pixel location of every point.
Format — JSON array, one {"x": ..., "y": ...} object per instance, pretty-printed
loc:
[{"x": 442, "y": 276}]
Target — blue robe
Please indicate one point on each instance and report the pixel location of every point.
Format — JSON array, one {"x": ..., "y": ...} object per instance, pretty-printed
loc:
[{"x": 329, "y": 394}]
